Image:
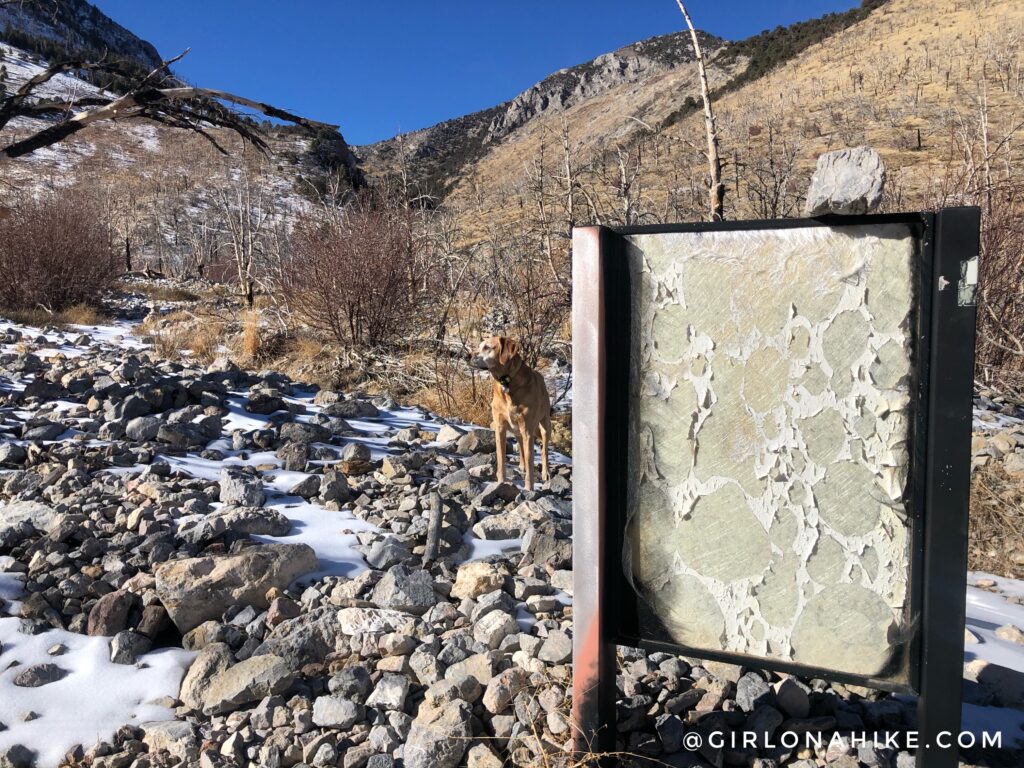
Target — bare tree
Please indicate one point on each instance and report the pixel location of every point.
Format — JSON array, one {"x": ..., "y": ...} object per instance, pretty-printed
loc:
[
  {"x": 157, "y": 97},
  {"x": 246, "y": 208},
  {"x": 773, "y": 187},
  {"x": 717, "y": 187},
  {"x": 126, "y": 207},
  {"x": 204, "y": 243}
]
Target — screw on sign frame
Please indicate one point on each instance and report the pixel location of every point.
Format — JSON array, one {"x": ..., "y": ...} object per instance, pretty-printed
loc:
[{"x": 606, "y": 608}]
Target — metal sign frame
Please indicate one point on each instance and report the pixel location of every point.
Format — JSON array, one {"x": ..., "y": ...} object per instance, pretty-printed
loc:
[{"x": 606, "y": 608}]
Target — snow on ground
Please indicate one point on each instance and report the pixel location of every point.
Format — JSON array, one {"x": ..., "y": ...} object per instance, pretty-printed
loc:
[
  {"x": 92, "y": 701},
  {"x": 332, "y": 535},
  {"x": 986, "y": 612},
  {"x": 62, "y": 86},
  {"x": 985, "y": 418}
]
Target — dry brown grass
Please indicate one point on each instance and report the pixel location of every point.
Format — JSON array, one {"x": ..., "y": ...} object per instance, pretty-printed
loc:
[
  {"x": 305, "y": 348},
  {"x": 997, "y": 522},
  {"x": 465, "y": 398},
  {"x": 178, "y": 332},
  {"x": 82, "y": 314},
  {"x": 169, "y": 293},
  {"x": 251, "y": 337},
  {"x": 79, "y": 314}
]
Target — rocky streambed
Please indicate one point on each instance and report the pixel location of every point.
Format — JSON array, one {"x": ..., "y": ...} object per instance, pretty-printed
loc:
[{"x": 212, "y": 566}]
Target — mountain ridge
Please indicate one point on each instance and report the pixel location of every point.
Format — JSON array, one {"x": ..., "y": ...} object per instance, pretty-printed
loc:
[
  {"x": 73, "y": 29},
  {"x": 438, "y": 153}
]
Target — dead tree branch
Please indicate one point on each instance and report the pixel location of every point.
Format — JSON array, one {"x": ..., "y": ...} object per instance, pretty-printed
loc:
[{"x": 157, "y": 97}]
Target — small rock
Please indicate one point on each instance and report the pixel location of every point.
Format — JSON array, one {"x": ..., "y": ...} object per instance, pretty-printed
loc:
[
  {"x": 246, "y": 682},
  {"x": 390, "y": 693},
  {"x": 556, "y": 649},
  {"x": 127, "y": 646},
  {"x": 175, "y": 736},
  {"x": 241, "y": 489},
  {"x": 439, "y": 736},
  {"x": 211, "y": 661},
  {"x": 402, "y": 590},
  {"x": 1010, "y": 634},
  {"x": 475, "y": 579},
  {"x": 38, "y": 675},
  {"x": 336, "y": 712}
]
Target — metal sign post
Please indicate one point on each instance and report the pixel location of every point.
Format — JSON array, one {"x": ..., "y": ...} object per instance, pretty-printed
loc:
[{"x": 611, "y": 608}]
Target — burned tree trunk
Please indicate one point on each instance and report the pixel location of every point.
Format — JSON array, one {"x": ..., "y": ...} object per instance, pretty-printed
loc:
[{"x": 716, "y": 187}]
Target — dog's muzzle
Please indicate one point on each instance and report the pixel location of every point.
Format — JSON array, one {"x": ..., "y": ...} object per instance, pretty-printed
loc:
[{"x": 478, "y": 362}]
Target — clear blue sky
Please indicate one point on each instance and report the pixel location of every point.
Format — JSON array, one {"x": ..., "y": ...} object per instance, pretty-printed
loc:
[{"x": 382, "y": 67}]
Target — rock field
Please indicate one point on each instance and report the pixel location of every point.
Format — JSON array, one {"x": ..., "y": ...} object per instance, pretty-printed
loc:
[{"x": 333, "y": 580}]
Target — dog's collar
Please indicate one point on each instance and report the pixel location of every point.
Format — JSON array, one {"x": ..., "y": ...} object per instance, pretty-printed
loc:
[{"x": 506, "y": 380}]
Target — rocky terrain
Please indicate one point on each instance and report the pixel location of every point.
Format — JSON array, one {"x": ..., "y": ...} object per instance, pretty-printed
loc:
[
  {"x": 79, "y": 28},
  {"x": 248, "y": 571}
]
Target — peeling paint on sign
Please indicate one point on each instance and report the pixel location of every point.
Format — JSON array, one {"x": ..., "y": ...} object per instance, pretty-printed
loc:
[{"x": 769, "y": 400}]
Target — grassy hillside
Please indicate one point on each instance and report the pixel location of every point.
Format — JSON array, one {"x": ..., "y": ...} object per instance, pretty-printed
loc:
[{"x": 902, "y": 80}]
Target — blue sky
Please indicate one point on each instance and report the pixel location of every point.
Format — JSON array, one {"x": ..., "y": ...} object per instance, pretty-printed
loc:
[{"x": 380, "y": 68}]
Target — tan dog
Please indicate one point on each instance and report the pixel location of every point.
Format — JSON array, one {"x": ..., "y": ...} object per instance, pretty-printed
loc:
[{"x": 520, "y": 400}]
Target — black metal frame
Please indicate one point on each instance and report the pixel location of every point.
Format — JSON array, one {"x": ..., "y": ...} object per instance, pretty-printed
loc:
[{"x": 607, "y": 609}]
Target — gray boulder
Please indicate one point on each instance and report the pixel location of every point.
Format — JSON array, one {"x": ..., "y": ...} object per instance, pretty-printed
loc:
[
  {"x": 127, "y": 646},
  {"x": 306, "y": 639},
  {"x": 241, "y": 489},
  {"x": 12, "y": 455},
  {"x": 298, "y": 432},
  {"x": 197, "y": 589},
  {"x": 439, "y": 736},
  {"x": 847, "y": 182},
  {"x": 211, "y": 661},
  {"x": 337, "y": 712},
  {"x": 143, "y": 428},
  {"x": 38, "y": 515},
  {"x": 177, "y": 737},
  {"x": 404, "y": 590},
  {"x": 246, "y": 682}
]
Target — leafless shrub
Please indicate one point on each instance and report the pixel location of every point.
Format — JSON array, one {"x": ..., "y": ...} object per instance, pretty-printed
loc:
[
  {"x": 352, "y": 273},
  {"x": 55, "y": 252},
  {"x": 530, "y": 306}
]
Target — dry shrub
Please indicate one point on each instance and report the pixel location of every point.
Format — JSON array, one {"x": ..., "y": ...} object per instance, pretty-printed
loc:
[
  {"x": 997, "y": 521},
  {"x": 171, "y": 293},
  {"x": 204, "y": 341},
  {"x": 456, "y": 393},
  {"x": 179, "y": 332},
  {"x": 533, "y": 306},
  {"x": 82, "y": 314},
  {"x": 304, "y": 348},
  {"x": 55, "y": 253},
  {"x": 353, "y": 275},
  {"x": 1001, "y": 307},
  {"x": 36, "y": 317}
]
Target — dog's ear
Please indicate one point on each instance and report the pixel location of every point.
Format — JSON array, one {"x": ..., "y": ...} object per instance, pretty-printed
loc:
[{"x": 509, "y": 348}]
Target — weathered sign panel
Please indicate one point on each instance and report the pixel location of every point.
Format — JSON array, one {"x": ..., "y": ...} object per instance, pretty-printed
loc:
[{"x": 771, "y": 432}]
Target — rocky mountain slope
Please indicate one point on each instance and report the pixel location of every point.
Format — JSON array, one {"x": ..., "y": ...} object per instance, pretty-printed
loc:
[
  {"x": 920, "y": 90},
  {"x": 72, "y": 28},
  {"x": 650, "y": 84},
  {"x": 436, "y": 155}
]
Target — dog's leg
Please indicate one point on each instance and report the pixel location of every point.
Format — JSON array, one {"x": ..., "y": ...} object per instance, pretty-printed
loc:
[
  {"x": 526, "y": 444},
  {"x": 523, "y": 458},
  {"x": 545, "y": 436},
  {"x": 500, "y": 438}
]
